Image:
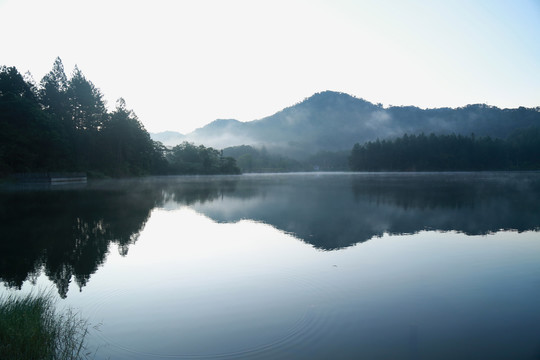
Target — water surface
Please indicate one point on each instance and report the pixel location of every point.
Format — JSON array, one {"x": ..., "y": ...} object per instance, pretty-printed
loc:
[{"x": 304, "y": 266}]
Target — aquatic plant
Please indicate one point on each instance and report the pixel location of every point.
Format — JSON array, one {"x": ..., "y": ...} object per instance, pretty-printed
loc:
[{"x": 32, "y": 328}]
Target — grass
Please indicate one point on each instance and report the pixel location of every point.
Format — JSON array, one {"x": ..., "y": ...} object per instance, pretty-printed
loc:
[{"x": 31, "y": 328}]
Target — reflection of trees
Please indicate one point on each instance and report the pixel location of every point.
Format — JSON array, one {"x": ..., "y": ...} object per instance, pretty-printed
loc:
[
  {"x": 67, "y": 232},
  {"x": 332, "y": 212},
  {"x": 200, "y": 190},
  {"x": 193, "y": 191},
  {"x": 475, "y": 204}
]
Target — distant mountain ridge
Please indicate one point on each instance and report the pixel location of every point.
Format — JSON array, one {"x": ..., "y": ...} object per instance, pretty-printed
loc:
[
  {"x": 332, "y": 121},
  {"x": 168, "y": 138}
]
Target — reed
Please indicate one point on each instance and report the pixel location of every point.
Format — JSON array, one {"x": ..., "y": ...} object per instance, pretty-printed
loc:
[{"x": 32, "y": 328}]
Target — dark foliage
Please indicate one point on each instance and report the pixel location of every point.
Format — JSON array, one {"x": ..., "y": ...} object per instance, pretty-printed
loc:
[
  {"x": 332, "y": 121},
  {"x": 250, "y": 159},
  {"x": 188, "y": 158},
  {"x": 66, "y": 234},
  {"x": 521, "y": 151},
  {"x": 63, "y": 125}
]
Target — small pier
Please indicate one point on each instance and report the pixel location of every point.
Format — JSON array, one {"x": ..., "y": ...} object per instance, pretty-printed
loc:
[{"x": 52, "y": 178}]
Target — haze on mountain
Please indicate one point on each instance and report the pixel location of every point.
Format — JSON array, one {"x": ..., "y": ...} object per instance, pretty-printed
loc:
[{"x": 335, "y": 121}]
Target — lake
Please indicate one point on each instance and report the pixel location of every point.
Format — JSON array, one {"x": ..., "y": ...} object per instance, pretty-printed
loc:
[{"x": 291, "y": 266}]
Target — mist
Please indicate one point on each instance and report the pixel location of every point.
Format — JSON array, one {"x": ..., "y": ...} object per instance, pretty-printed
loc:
[{"x": 333, "y": 121}]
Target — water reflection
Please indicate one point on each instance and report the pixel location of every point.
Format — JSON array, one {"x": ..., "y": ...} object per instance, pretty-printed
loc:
[
  {"x": 337, "y": 211},
  {"x": 67, "y": 232}
]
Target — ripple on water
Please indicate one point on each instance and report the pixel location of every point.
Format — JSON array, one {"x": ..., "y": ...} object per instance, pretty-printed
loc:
[{"x": 247, "y": 316}]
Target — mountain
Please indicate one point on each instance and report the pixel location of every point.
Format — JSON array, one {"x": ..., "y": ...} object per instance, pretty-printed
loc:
[
  {"x": 168, "y": 138},
  {"x": 332, "y": 121}
]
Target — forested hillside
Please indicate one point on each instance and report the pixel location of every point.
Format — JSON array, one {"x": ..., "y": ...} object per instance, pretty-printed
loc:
[
  {"x": 521, "y": 151},
  {"x": 62, "y": 124},
  {"x": 333, "y": 121},
  {"x": 251, "y": 159}
]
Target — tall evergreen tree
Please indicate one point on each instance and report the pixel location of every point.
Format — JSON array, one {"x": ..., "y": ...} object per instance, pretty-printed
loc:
[
  {"x": 87, "y": 107},
  {"x": 28, "y": 138},
  {"x": 88, "y": 115},
  {"x": 63, "y": 125},
  {"x": 128, "y": 146},
  {"x": 12, "y": 83},
  {"x": 53, "y": 92},
  {"x": 53, "y": 97}
]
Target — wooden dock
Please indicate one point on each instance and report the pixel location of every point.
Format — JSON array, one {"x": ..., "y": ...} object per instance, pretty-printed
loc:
[{"x": 52, "y": 178}]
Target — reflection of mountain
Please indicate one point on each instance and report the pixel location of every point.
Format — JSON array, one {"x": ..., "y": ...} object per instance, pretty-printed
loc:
[
  {"x": 333, "y": 212},
  {"x": 68, "y": 232}
]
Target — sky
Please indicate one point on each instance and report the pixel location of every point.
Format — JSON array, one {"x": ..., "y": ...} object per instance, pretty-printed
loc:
[{"x": 182, "y": 64}]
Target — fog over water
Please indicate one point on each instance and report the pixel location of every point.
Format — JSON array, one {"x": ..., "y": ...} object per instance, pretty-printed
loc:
[{"x": 307, "y": 266}]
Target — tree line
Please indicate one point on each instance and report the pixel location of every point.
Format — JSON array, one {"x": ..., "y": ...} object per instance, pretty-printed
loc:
[
  {"x": 261, "y": 160},
  {"x": 253, "y": 160},
  {"x": 520, "y": 151},
  {"x": 62, "y": 124}
]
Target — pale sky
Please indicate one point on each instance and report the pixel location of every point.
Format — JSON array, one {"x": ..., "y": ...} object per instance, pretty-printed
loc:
[{"x": 182, "y": 64}]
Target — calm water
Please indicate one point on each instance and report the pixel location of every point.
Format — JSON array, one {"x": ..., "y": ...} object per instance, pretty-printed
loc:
[{"x": 295, "y": 266}]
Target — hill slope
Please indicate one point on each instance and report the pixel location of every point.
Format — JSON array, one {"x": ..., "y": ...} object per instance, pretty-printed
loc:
[{"x": 336, "y": 121}]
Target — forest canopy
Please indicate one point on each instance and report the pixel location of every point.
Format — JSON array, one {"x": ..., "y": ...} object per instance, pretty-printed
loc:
[
  {"x": 62, "y": 124},
  {"x": 520, "y": 151}
]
